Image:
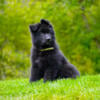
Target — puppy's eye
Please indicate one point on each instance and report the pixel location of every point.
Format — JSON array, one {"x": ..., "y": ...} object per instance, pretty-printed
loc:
[{"x": 50, "y": 26}]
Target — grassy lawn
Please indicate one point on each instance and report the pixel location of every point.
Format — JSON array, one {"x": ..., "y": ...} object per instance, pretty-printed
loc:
[{"x": 83, "y": 88}]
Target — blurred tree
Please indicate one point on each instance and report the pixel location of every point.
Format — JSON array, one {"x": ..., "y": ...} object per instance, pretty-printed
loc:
[{"x": 76, "y": 23}]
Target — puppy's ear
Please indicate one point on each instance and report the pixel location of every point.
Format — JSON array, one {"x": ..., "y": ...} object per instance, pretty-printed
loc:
[
  {"x": 33, "y": 27},
  {"x": 43, "y": 21}
]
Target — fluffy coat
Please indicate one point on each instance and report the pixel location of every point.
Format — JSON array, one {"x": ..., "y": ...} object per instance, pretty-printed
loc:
[{"x": 47, "y": 60}]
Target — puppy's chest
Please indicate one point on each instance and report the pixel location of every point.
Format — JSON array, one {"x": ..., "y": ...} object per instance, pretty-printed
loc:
[{"x": 47, "y": 61}]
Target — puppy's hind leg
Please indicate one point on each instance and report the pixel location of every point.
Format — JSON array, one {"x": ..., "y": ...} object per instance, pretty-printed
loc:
[{"x": 69, "y": 71}]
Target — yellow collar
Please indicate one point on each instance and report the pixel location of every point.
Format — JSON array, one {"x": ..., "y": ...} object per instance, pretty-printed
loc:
[{"x": 47, "y": 49}]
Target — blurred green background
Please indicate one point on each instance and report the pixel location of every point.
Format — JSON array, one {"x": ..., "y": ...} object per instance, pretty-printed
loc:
[{"x": 77, "y": 27}]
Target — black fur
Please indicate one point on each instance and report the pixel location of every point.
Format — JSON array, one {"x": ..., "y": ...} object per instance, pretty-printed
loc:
[{"x": 48, "y": 64}]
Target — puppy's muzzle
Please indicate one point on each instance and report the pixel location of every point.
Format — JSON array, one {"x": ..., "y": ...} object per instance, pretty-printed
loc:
[{"x": 48, "y": 38}]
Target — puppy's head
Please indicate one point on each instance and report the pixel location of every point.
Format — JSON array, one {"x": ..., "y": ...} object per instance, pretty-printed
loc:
[{"x": 42, "y": 34}]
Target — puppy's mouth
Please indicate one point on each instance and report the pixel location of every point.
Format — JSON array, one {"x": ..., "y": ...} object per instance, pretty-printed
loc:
[{"x": 47, "y": 49}]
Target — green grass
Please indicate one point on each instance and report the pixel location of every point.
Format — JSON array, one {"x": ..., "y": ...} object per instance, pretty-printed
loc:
[{"x": 83, "y": 88}]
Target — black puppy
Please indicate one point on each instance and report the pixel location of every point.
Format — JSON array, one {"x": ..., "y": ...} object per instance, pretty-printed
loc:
[{"x": 47, "y": 60}]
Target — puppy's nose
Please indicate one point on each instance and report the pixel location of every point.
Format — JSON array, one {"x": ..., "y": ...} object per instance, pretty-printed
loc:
[{"x": 48, "y": 38}]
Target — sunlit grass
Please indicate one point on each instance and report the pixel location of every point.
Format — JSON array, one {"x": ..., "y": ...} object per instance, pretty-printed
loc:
[{"x": 83, "y": 88}]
